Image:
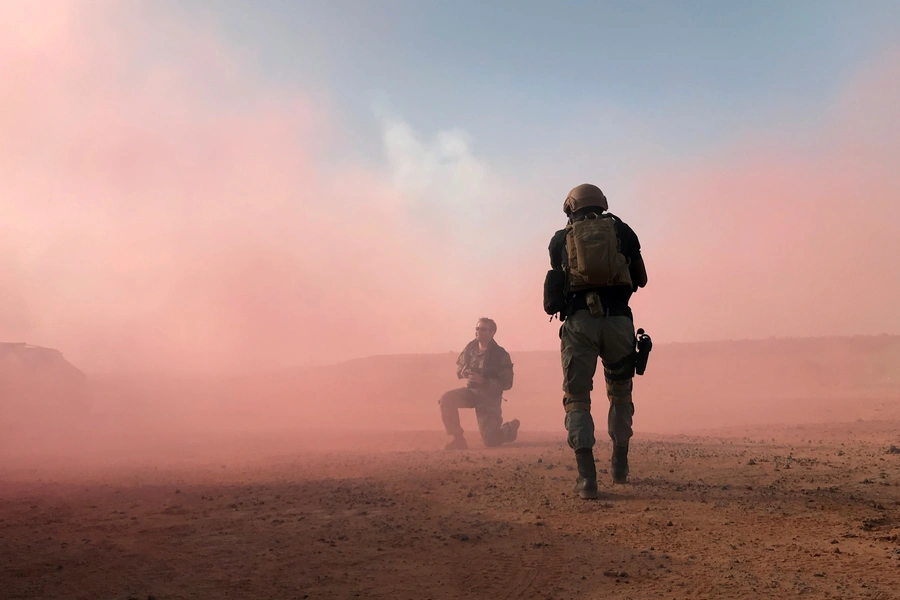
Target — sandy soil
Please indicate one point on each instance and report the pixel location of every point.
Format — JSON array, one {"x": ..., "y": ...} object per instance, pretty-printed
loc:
[{"x": 769, "y": 511}]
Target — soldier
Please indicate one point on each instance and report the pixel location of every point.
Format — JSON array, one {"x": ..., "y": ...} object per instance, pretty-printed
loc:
[
  {"x": 488, "y": 372},
  {"x": 596, "y": 266}
]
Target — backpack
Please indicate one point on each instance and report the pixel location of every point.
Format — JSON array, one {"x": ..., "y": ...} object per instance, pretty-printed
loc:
[{"x": 595, "y": 254}]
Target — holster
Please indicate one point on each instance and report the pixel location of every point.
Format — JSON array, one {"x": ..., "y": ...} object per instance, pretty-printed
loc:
[{"x": 644, "y": 345}]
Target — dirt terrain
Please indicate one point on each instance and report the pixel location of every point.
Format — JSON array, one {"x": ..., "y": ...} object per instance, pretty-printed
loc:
[
  {"x": 740, "y": 513},
  {"x": 758, "y": 469}
]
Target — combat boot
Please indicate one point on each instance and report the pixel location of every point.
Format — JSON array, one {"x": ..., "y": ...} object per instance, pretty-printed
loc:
[
  {"x": 619, "y": 463},
  {"x": 457, "y": 443},
  {"x": 586, "y": 484},
  {"x": 512, "y": 431}
]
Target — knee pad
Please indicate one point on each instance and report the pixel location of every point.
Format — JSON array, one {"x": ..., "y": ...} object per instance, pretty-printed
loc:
[
  {"x": 619, "y": 392},
  {"x": 570, "y": 404},
  {"x": 621, "y": 370}
]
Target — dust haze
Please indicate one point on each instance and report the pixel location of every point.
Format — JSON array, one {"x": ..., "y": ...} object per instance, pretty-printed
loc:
[
  {"x": 257, "y": 324},
  {"x": 172, "y": 225},
  {"x": 168, "y": 219},
  {"x": 790, "y": 231}
]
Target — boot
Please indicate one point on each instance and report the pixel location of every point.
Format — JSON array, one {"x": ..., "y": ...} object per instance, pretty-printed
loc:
[
  {"x": 457, "y": 443},
  {"x": 619, "y": 463},
  {"x": 586, "y": 484},
  {"x": 512, "y": 430}
]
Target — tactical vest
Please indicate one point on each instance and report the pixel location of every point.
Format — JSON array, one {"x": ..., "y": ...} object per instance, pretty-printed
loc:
[{"x": 594, "y": 254}]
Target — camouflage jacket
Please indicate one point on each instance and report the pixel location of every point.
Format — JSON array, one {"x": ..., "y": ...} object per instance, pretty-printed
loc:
[{"x": 495, "y": 365}]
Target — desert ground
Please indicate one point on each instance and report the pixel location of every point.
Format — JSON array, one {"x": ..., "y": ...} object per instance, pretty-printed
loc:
[
  {"x": 748, "y": 494},
  {"x": 742, "y": 513}
]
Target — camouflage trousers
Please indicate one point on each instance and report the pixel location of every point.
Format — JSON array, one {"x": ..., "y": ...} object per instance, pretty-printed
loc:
[
  {"x": 585, "y": 338},
  {"x": 488, "y": 412}
]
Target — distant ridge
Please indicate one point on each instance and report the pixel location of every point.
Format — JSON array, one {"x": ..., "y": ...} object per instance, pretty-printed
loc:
[{"x": 881, "y": 340}]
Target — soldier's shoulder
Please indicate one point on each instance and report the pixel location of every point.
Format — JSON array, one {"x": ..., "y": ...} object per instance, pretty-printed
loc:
[
  {"x": 559, "y": 238},
  {"x": 625, "y": 231}
]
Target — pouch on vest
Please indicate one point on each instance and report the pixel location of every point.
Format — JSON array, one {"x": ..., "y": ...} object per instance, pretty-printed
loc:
[
  {"x": 554, "y": 291},
  {"x": 595, "y": 257}
]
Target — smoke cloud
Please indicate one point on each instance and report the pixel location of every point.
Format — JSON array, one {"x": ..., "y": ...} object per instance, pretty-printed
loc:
[
  {"x": 165, "y": 208},
  {"x": 791, "y": 232}
]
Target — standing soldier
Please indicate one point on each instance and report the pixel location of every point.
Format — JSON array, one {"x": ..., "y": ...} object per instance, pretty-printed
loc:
[
  {"x": 596, "y": 266},
  {"x": 488, "y": 371}
]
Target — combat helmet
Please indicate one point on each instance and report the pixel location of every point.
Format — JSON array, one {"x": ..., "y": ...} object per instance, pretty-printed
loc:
[{"x": 582, "y": 196}]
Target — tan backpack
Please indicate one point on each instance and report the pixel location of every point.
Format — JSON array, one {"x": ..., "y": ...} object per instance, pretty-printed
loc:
[{"x": 594, "y": 253}]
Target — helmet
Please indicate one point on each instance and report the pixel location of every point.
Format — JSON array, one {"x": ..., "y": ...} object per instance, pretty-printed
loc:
[{"x": 583, "y": 196}]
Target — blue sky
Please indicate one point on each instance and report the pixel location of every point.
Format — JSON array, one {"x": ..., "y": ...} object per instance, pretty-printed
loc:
[
  {"x": 516, "y": 75},
  {"x": 478, "y": 107},
  {"x": 588, "y": 91}
]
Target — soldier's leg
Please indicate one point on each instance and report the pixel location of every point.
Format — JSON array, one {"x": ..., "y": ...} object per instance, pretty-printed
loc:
[
  {"x": 618, "y": 367},
  {"x": 489, "y": 413},
  {"x": 450, "y": 403},
  {"x": 579, "y": 350},
  {"x": 494, "y": 431},
  {"x": 621, "y": 408}
]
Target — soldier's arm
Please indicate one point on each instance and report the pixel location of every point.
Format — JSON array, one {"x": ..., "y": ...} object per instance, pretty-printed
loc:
[
  {"x": 632, "y": 249},
  {"x": 461, "y": 364},
  {"x": 638, "y": 271},
  {"x": 557, "y": 249}
]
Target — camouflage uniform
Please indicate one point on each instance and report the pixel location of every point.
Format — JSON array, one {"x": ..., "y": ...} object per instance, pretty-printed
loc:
[
  {"x": 608, "y": 336},
  {"x": 495, "y": 365}
]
